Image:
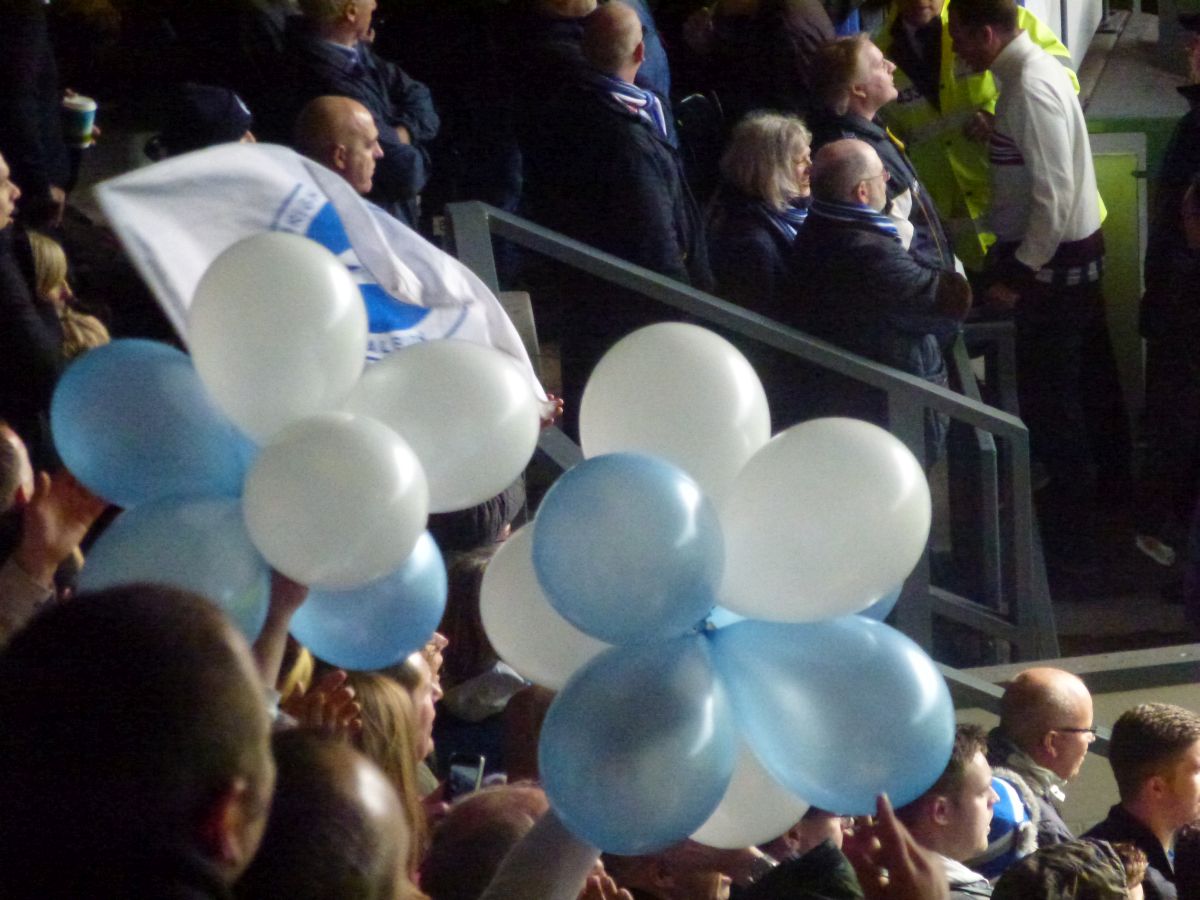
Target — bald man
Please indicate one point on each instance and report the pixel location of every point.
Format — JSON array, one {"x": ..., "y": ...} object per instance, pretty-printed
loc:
[
  {"x": 600, "y": 168},
  {"x": 855, "y": 285},
  {"x": 1044, "y": 734},
  {"x": 341, "y": 135}
]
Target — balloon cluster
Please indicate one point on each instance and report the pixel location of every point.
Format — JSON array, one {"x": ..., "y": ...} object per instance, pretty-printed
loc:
[
  {"x": 272, "y": 447},
  {"x": 677, "y": 716}
]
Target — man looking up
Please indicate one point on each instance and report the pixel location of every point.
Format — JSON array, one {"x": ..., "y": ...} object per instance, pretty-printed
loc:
[
  {"x": 340, "y": 134},
  {"x": 952, "y": 817},
  {"x": 1046, "y": 266},
  {"x": 1044, "y": 734},
  {"x": 1155, "y": 759},
  {"x": 854, "y": 82}
]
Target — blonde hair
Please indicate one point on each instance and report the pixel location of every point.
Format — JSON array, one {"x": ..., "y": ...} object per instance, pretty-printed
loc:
[
  {"x": 80, "y": 331},
  {"x": 390, "y": 738},
  {"x": 839, "y": 67},
  {"x": 759, "y": 159}
]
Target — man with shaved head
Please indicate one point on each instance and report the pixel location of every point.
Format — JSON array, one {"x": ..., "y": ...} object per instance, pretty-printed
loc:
[
  {"x": 340, "y": 134},
  {"x": 601, "y": 168},
  {"x": 329, "y": 53},
  {"x": 1044, "y": 734},
  {"x": 856, "y": 285}
]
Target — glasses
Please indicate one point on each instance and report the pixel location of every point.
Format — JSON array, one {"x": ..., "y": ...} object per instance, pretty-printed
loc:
[
  {"x": 1090, "y": 732},
  {"x": 886, "y": 176}
]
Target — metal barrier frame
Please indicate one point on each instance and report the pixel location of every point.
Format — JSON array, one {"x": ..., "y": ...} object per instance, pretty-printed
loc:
[{"x": 1028, "y": 625}]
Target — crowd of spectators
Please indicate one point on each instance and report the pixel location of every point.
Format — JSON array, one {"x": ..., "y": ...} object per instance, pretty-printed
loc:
[{"x": 146, "y": 750}]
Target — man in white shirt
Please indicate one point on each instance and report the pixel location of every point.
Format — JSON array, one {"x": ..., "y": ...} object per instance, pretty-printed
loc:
[{"x": 1046, "y": 267}]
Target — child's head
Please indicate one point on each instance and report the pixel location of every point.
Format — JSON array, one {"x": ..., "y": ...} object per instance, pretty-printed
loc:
[{"x": 50, "y": 269}]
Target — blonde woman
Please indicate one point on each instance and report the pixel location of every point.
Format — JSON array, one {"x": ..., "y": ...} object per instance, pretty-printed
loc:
[
  {"x": 79, "y": 331},
  {"x": 759, "y": 209},
  {"x": 393, "y": 738}
]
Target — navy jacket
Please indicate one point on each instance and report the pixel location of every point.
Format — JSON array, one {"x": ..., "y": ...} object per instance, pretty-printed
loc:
[
  {"x": 318, "y": 68},
  {"x": 929, "y": 240},
  {"x": 748, "y": 251},
  {"x": 1120, "y": 826},
  {"x": 860, "y": 289},
  {"x": 600, "y": 173}
]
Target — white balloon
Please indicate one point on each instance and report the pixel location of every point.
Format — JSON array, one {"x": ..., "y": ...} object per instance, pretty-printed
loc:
[
  {"x": 679, "y": 392},
  {"x": 336, "y": 501},
  {"x": 756, "y": 808},
  {"x": 466, "y": 410},
  {"x": 277, "y": 330},
  {"x": 521, "y": 624},
  {"x": 825, "y": 519}
]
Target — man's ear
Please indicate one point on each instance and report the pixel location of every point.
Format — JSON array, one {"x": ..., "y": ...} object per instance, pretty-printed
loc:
[
  {"x": 340, "y": 157},
  {"x": 350, "y": 11},
  {"x": 939, "y": 810},
  {"x": 223, "y": 828},
  {"x": 1156, "y": 787},
  {"x": 639, "y": 52}
]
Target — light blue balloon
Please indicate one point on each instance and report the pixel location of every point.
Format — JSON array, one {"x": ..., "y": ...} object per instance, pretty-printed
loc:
[
  {"x": 882, "y": 608},
  {"x": 381, "y": 623},
  {"x": 628, "y": 549},
  {"x": 838, "y": 711},
  {"x": 720, "y": 617},
  {"x": 132, "y": 421},
  {"x": 198, "y": 545},
  {"x": 639, "y": 746}
]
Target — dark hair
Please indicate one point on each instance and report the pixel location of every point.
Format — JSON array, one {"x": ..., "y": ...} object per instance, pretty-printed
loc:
[
  {"x": 968, "y": 741},
  {"x": 321, "y": 841},
  {"x": 1000, "y": 14},
  {"x": 474, "y": 837},
  {"x": 1146, "y": 740},
  {"x": 469, "y": 652},
  {"x": 126, "y": 713}
]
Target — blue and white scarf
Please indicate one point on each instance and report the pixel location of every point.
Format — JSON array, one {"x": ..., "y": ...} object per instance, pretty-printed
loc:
[
  {"x": 645, "y": 103},
  {"x": 855, "y": 214},
  {"x": 790, "y": 219}
]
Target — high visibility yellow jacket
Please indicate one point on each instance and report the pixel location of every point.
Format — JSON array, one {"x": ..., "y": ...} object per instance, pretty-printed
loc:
[{"x": 954, "y": 168}]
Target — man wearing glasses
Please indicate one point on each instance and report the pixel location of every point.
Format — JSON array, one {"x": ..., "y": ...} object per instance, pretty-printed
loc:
[{"x": 1044, "y": 734}]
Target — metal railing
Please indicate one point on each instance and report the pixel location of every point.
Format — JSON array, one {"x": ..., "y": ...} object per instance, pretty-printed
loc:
[{"x": 1015, "y": 607}]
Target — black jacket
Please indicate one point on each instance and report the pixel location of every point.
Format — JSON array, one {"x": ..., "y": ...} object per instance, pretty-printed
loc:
[
  {"x": 748, "y": 251},
  {"x": 860, "y": 289},
  {"x": 1121, "y": 826},
  {"x": 598, "y": 172},
  {"x": 30, "y": 125},
  {"x": 1169, "y": 308},
  {"x": 30, "y": 349},
  {"x": 317, "y": 68}
]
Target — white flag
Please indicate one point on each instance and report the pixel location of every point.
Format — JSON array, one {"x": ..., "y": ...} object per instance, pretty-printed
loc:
[{"x": 177, "y": 216}]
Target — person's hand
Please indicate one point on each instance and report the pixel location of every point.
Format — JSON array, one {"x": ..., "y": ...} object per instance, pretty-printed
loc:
[
  {"x": 1000, "y": 297},
  {"x": 403, "y": 134},
  {"x": 56, "y": 207},
  {"x": 889, "y": 863},
  {"x": 53, "y": 523},
  {"x": 552, "y": 410},
  {"x": 602, "y": 887},
  {"x": 980, "y": 126},
  {"x": 1191, "y": 217},
  {"x": 286, "y": 595},
  {"x": 435, "y": 804},
  {"x": 327, "y": 706}
]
